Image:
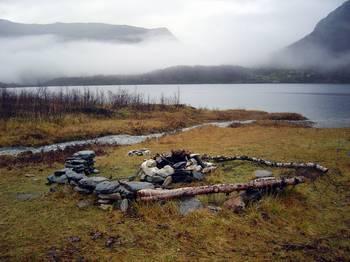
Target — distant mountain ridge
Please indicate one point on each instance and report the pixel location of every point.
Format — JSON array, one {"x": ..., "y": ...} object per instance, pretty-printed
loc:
[
  {"x": 328, "y": 45},
  {"x": 224, "y": 74},
  {"x": 83, "y": 31}
]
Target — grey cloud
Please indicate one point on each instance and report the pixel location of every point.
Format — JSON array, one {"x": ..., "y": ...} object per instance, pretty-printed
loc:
[{"x": 210, "y": 32}]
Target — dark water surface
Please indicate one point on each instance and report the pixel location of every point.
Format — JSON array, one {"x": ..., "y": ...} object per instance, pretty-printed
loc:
[{"x": 326, "y": 104}]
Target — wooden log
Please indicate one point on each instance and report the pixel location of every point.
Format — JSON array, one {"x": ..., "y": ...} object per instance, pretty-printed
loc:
[
  {"x": 163, "y": 194},
  {"x": 220, "y": 159}
]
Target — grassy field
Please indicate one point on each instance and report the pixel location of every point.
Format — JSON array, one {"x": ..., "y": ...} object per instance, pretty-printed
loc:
[
  {"x": 306, "y": 223},
  {"x": 41, "y": 131}
]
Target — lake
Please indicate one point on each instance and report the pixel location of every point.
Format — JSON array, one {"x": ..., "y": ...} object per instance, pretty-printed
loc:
[{"x": 326, "y": 104}]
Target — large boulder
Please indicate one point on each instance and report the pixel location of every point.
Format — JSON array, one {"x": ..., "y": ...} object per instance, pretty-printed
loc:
[
  {"x": 107, "y": 187},
  {"x": 91, "y": 182}
]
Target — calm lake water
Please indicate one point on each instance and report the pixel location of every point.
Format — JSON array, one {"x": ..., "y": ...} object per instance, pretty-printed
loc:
[{"x": 326, "y": 104}]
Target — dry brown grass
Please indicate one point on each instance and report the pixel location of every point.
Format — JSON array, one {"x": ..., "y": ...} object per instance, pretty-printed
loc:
[
  {"x": 307, "y": 223},
  {"x": 29, "y": 132}
]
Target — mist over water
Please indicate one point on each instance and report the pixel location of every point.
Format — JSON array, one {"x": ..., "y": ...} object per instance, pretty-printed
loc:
[{"x": 208, "y": 32}]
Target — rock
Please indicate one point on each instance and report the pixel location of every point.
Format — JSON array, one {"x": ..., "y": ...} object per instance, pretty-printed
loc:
[
  {"x": 85, "y": 154},
  {"x": 73, "y": 183},
  {"x": 91, "y": 182},
  {"x": 180, "y": 165},
  {"x": 153, "y": 179},
  {"x": 76, "y": 177},
  {"x": 136, "y": 186},
  {"x": 124, "y": 205},
  {"x": 107, "y": 187},
  {"x": 114, "y": 196},
  {"x": 165, "y": 171},
  {"x": 198, "y": 176},
  {"x": 27, "y": 196},
  {"x": 105, "y": 207},
  {"x": 95, "y": 171},
  {"x": 196, "y": 168},
  {"x": 82, "y": 190},
  {"x": 198, "y": 159},
  {"x": 252, "y": 195},
  {"x": 29, "y": 175},
  {"x": 189, "y": 205},
  {"x": 262, "y": 173},
  {"x": 139, "y": 152},
  {"x": 167, "y": 182},
  {"x": 149, "y": 167},
  {"x": 61, "y": 172},
  {"x": 208, "y": 169},
  {"x": 57, "y": 179},
  {"x": 236, "y": 204},
  {"x": 104, "y": 201},
  {"x": 125, "y": 193},
  {"x": 84, "y": 203},
  {"x": 182, "y": 176}
]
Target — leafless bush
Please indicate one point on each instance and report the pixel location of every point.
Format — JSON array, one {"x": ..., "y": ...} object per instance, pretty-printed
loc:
[{"x": 43, "y": 103}]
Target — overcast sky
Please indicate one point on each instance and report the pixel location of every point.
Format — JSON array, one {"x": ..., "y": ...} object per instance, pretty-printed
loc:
[{"x": 225, "y": 31}]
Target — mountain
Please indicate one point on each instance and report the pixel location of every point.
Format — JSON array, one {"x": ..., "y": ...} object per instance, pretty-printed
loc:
[
  {"x": 327, "y": 46},
  {"x": 224, "y": 74},
  {"x": 83, "y": 31}
]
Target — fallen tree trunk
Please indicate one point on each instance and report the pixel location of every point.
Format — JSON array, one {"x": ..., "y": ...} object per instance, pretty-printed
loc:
[
  {"x": 269, "y": 163},
  {"x": 163, "y": 194}
]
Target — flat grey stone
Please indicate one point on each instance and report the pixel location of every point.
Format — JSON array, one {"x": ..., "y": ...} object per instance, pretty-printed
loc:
[
  {"x": 114, "y": 196},
  {"x": 107, "y": 187},
  {"x": 82, "y": 190},
  {"x": 85, "y": 154},
  {"x": 71, "y": 175},
  {"x": 153, "y": 179},
  {"x": 27, "y": 196},
  {"x": 52, "y": 179},
  {"x": 61, "y": 172},
  {"x": 104, "y": 201},
  {"x": 188, "y": 205},
  {"x": 91, "y": 182},
  {"x": 136, "y": 186},
  {"x": 125, "y": 193},
  {"x": 262, "y": 173}
]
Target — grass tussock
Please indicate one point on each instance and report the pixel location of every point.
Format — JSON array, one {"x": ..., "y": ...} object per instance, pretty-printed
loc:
[{"x": 309, "y": 222}]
